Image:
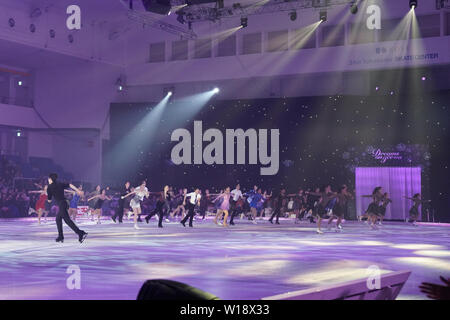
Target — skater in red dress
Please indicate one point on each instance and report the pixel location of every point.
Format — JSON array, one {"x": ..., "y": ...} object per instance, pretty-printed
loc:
[{"x": 42, "y": 206}]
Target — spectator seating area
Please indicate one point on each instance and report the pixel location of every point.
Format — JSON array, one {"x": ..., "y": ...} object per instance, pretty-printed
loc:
[
  {"x": 17, "y": 177},
  {"x": 37, "y": 167}
]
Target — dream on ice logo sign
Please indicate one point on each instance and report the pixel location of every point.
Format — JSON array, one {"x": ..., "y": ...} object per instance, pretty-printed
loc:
[
  {"x": 213, "y": 153},
  {"x": 385, "y": 156}
]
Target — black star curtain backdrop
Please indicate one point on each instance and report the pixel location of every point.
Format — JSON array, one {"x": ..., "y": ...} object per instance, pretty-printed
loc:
[{"x": 322, "y": 141}]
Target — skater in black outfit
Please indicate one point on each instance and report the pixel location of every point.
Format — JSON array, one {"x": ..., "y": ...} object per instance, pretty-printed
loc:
[
  {"x": 375, "y": 206},
  {"x": 326, "y": 195},
  {"x": 119, "y": 211},
  {"x": 194, "y": 198},
  {"x": 280, "y": 201},
  {"x": 56, "y": 191},
  {"x": 204, "y": 202},
  {"x": 414, "y": 211},
  {"x": 384, "y": 204},
  {"x": 311, "y": 205},
  {"x": 162, "y": 206},
  {"x": 236, "y": 196},
  {"x": 343, "y": 196},
  {"x": 299, "y": 206}
]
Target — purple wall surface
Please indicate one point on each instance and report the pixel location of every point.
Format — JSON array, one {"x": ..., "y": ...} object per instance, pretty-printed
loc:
[{"x": 398, "y": 182}]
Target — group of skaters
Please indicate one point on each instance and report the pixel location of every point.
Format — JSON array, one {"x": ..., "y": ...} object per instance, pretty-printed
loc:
[
  {"x": 380, "y": 200},
  {"x": 315, "y": 206}
]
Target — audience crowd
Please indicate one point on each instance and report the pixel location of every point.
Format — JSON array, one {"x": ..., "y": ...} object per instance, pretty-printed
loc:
[{"x": 14, "y": 201}]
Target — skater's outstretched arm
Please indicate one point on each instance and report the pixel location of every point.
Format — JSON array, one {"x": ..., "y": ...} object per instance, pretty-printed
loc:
[
  {"x": 92, "y": 198},
  {"x": 219, "y": 196},
  {"x": 334, "y": 195},
  {"x": 292, "y": 195},
  {"x": 75, "y": 188},
  {"x": 417, "y": 200},
  {"x": 128, "y": 194},
  {"x": 420, "y": 200}
]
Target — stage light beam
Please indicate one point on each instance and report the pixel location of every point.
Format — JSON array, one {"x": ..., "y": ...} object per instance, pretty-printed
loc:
[
  {"x": 143, "y": 134},
  {"x": 175, "y": 9},
  {"x": 323, "y": 16}
]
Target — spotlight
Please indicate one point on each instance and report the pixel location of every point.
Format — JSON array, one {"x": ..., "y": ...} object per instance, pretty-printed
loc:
[
  {"x": 354, "y": 8},
  {"x": 424, "y": 78},
  {"x": 18, "y": 133},
  {"x": 120, "y": 84},
  {"x": 323, "y": 16},
  {"x": 11, "y": 22},
  {"x": 168, "y": 91},
  {"x": 244, "y": 22},
  {"x": 19, "y": 83},
  {"x": 36, "y": 13},
  {"x": 293, "y": 15},
  {"x": 157, "y": 6},
  {"x": 413, "y": 4},
  {"x": 216, "y": 90}
]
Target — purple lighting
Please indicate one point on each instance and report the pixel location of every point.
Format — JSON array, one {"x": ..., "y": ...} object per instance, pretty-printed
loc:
[
  {"x": 295, "y": 253},
  {"x": 280, "y": 170},
  {"x": 399, "y": 182}
]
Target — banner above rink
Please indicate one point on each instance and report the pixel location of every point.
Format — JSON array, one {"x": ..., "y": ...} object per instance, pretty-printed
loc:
[
  {"x": 370, "y": 56},
  {"x": 386, "y": 55}
]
